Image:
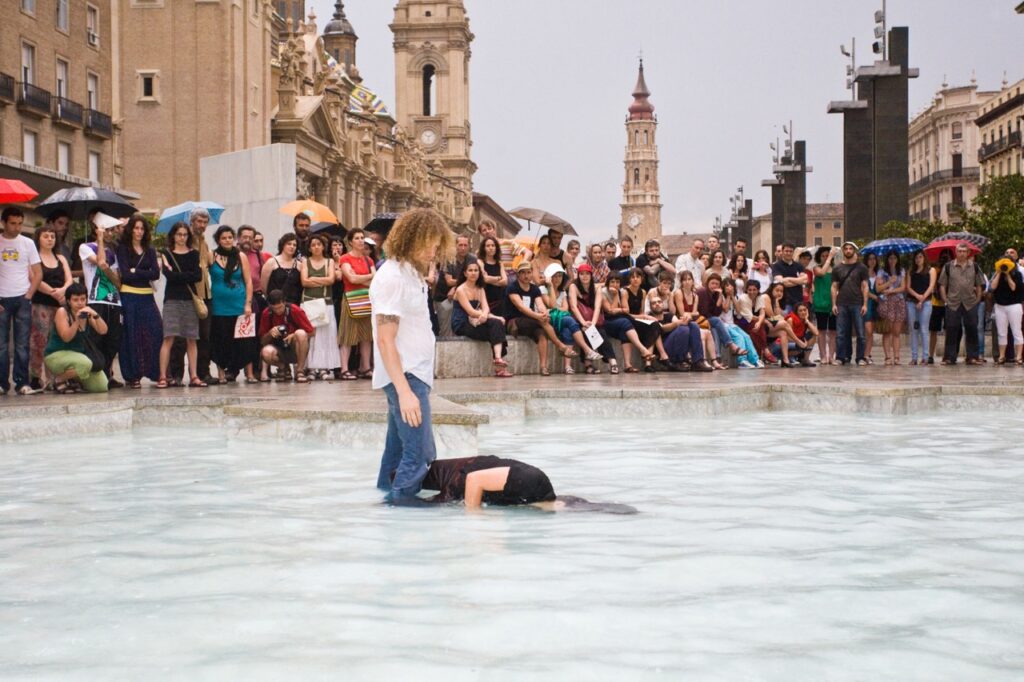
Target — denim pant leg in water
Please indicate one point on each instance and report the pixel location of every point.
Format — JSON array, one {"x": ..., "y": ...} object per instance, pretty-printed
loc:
[{"x": 412, "y": 448}]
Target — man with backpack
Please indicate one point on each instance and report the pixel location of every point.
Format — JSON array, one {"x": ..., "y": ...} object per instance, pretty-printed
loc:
[{"x": 961, "y": 283}]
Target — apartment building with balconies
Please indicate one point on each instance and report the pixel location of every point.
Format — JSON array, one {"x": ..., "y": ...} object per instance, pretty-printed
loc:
[
  {"x": 999, "y": 123},
  {"x": 942, "y": 145},
  {"x": 55, "y": 95}
]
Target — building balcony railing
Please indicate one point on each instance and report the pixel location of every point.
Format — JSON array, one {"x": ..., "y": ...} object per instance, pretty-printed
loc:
[
  {"x": 972, "y": 173},
  {"x": 6, "y": 88},
  {"x": 67, "y": 112},
  {"x": 34, "y": 100},
  {"x": 987, "y": 151},
  {"x": 98, "y": 124}
]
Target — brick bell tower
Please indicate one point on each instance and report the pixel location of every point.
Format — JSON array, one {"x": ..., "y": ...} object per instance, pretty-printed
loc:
[{"x": 641, "y": 198}]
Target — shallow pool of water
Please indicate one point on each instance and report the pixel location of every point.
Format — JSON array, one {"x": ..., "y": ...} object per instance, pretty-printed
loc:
[{"x": 794, "y": 547}]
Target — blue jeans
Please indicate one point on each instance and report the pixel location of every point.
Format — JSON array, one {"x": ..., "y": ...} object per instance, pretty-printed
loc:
[
  {"x": 408, "y": 451},
  {"x": 849, "y": 320},
  {"x": 569, "y": 327},
  {"x": 719, "y": 333},
  {"x": 683, "y": 344},
  {"x": 17, "y": 311},
  {"x": 917, "y": 325}
]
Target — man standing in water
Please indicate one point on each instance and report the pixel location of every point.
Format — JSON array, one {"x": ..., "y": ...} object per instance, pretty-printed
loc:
[{"x": 403, "y": 349}]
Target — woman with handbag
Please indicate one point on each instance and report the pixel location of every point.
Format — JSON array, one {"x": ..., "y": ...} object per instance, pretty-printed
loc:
[
  {"x": 183, "y": 307},
  {"x": 70, "y": 355},
  {"x": 357, "y": 271},
  {"x": 144, "y": 331},
  {"x": 317, "y": 276},
  {"x": 231, "y": 300},
  {"x": 282, "y": 271}
]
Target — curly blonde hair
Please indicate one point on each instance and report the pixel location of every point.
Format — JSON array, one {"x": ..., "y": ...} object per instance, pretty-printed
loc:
[{"x": 414, "y": 232}]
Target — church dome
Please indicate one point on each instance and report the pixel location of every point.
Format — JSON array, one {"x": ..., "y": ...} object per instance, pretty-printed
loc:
[
  {"x": 339, "y": 24},
  {"x": 641, "y": 108}
]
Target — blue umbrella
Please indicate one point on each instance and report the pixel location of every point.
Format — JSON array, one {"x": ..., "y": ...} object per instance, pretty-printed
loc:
[
  {"x": 900, "y": 245},
  {"x": 182, "y": 213}
]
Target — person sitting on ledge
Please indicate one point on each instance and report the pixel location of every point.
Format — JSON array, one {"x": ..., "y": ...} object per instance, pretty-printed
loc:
[
  {"x": 472, "y": 318},
  {"x": 586, "y": 311},
  {"x": 65, "y": 355},
  {"x": 527, "y": 316},
  {"x": 496, "y": 481},
  {"x": 618, "y": 324},
  {"x": 805, "y": 334},
  {"x": 556, "y": 299},
  {"x": 284, "y": 334}
]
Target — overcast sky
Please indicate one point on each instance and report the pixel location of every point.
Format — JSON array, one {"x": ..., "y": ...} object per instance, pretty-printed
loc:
[{"x": 551, "y": 82}]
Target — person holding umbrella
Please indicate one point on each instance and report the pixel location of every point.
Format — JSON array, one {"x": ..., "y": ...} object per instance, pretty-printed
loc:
[
  {"x": 20, "y": 275},
  {"x": 960, "y": 284}
]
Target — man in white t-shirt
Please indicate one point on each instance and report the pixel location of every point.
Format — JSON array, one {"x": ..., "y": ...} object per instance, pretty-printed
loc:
[
  {"x": 403, "y": 350},
  {"x": 691, "y": 261},
  {"x": 20, "y": 274}
]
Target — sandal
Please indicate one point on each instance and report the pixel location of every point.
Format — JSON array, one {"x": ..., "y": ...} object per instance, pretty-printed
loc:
[
  {"x": 348, "y": 376},
  {"x": 250, "y": 380},
  {"x": 366, "y": 374},
  {"x": 197, "y": 383},
  {"x": 502, "y": 373},
  {"x": 162, "y": 383},
  {"x": 133, "y": 384},
  {"x": 569, "y": 352},
  {"x": 500, "y": 362},
  {"x": 632, "y": 370},
  {"x": 590, "y": 369},
  {"x": 302, "y": 379},
  {"x": 614, "y": 369},
  {"x": 569, "y": 369},
  {"x": 545, "y": 372},
  {"x": 63, "y": 388}
]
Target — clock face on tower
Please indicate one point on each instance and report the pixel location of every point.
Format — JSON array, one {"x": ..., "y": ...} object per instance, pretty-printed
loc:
[
  {"x": 428, "y": 138},
  {"x": 634, "y": 220}
]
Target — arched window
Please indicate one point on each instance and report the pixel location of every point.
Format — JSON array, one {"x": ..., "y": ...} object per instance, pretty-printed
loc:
[
  {"x": 636, "y": 138},
  {"x": 646, "y": 140},
  {"x": 636, "y": 177},
  {"x": 428, "y": 90}
]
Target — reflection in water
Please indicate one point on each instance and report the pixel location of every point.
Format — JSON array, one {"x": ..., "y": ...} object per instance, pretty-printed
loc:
[{"x": 796, "y": 547}]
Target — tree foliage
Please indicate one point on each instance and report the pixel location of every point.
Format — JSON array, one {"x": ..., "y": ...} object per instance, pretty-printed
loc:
[
  {"x": 998, "y": 213},
  {"x": 923, "y": 230}
]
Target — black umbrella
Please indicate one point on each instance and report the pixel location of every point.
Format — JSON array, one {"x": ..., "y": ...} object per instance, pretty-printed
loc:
[
  {"x": 382, "y": 223},
  {"x": 77, "y": 202},
  {"x": 329, "y": 229},
  {"x": 979, "y": 240}
]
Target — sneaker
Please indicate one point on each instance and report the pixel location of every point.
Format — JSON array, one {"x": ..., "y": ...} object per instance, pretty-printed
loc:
[
  {"x": 27, "y": 390},
  {"x": 861, "y": 363},
  {"x": 743, "y": 364}
]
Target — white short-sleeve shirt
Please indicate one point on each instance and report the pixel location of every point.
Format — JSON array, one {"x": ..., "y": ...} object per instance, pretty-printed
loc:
[
  {"x": 398, "y": 289},
  {"x": 17, "y": 256}
]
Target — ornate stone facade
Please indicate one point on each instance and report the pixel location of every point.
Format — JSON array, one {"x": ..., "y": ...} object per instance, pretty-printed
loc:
[
  {"x": 432, "y": 54},
  {"x": 357, "y": 162},
  {"x": 641, "y": 198}
]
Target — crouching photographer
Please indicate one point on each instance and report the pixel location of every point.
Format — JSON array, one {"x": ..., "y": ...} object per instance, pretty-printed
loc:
[{"x": 284, "y": 333}]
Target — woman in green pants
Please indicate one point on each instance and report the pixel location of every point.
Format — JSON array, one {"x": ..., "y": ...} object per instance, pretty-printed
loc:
[{"x": 65, "y": 354}]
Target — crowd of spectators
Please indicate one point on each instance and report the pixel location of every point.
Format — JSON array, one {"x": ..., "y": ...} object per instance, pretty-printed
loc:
[{"x": 68, "y": 313}]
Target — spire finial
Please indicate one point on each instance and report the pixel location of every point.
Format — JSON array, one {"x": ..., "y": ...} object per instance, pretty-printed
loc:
[
  {"x": 339, "y": 10},
  {"x": 641, "y": 108}
]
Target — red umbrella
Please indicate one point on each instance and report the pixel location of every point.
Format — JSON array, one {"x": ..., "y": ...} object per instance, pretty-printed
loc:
[
  {"x": 15, "y": 191},
  {"x": 935, "y": 249}
]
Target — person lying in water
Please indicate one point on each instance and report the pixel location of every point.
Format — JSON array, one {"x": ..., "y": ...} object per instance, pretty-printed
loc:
[{"x": 496, "y": 481}]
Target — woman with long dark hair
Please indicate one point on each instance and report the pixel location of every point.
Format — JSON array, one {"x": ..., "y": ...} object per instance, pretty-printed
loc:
[
  {"x": 634, "y": 296},
  {"x": 65, "y": 354},
  {"x": 619, "y": 324},
  {"x": 282, "y": 271},
  {"x": 871, "y": 263},
  {"x": 778, "y": 328},
  {"x": 317, "y": 275},
  {"x": 761, "y": 270},
  {"x": 892, "y": 286},
  {"x": 180, "y": 265},
  {"x": 920, "y": 288},
  {"x": 46, "y": 300},
  {"x": 473, "y": 319},
  {"x": 492, "y": 275},
  {"x": 139, "y": 266},
  {"x": 587, "y": 312},
  {"x": 738, "y": 271},
  {"x": 232, "y": 298}
]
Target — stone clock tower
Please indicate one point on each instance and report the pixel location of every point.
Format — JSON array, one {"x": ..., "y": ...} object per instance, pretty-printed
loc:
[
  {"x": 432, "y": 54},
  {"x": 641, "y": 200}
]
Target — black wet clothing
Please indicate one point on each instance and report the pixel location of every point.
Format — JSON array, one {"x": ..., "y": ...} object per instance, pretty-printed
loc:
[{"x": 526, "y": 484}]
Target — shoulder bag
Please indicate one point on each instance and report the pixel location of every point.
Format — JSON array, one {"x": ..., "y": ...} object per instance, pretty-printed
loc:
[{"x": 202, "y": 312}]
